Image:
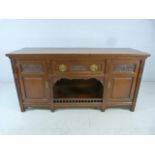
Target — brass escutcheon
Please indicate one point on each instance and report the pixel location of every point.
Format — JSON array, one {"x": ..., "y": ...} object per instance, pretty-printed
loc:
[
  {"x": 93, "y": 67},
  {"x": 62, "y": 67}
]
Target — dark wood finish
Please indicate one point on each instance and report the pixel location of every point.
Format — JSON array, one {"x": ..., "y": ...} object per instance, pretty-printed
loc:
[{"x": 83, "y": 78}]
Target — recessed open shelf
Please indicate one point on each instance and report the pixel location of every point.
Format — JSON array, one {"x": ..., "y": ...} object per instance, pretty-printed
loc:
[{"x": 78, "y": 90}]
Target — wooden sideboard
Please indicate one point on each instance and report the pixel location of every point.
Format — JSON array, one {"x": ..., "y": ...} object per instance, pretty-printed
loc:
[{"x": 77, "y": 77}]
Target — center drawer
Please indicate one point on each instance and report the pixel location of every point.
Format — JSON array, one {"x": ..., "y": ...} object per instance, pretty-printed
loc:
[{"x": 78, "y": 67}]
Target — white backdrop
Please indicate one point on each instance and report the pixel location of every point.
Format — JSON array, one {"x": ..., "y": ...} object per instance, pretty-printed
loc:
[{"x": 16, "y": 34}]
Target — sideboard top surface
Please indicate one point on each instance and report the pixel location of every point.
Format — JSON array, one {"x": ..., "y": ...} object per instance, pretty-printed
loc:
[{"x": 89, "y": 51}]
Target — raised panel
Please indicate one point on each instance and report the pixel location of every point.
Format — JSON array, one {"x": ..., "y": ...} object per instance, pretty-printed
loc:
[
  {"x": 34, "y": 87},
  {"x": 121, "y": 87}
]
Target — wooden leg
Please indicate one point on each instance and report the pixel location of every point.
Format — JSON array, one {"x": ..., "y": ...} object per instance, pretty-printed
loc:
[
  {"x": 52, "y": 108},
  {"x": 22, "y": 108},
  {"x": 132, "y": 108},
  {"x": 103, "y": 108},
  {"x": 138, "y": 85}
]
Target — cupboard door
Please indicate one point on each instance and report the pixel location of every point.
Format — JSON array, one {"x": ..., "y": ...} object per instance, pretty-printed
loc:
[
  {"x": 121, "y": 79},
  {"x": 121, "y": 88},
  {"x": 33, "y": 81}
]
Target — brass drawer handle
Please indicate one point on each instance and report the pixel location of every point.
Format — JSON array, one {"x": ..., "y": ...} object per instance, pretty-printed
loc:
[
  {"x": 62, "y": 67},
  {"x": 93, "y": 67}
]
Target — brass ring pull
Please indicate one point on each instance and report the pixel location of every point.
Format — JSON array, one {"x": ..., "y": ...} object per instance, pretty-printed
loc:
[
  {"x": 93, "y": 67},
  {"x": 62, "y": 68}
]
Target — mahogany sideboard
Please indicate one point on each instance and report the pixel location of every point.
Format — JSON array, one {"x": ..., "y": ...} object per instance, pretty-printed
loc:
[{"x": 77, "y": 77}]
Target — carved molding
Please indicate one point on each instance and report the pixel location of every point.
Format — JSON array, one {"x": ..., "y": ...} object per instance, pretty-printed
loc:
[
  {"x": 78, "y": 100},
  {"x": 30, "y": 68},
  {"x": 78, "y": 67},
  {"x": 124, "y": 68},
  {"x": 55, "y": 79}
]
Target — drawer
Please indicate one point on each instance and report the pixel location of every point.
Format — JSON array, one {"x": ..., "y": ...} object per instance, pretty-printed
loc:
[{"x": 78, "y": 67}]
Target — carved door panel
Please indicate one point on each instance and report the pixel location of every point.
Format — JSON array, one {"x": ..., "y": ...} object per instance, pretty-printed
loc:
[
  {"x": 121, "y": 79},
  {"x": 33, "y": 81}
]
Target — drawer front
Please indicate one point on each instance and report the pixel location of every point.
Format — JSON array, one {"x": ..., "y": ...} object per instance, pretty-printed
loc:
[{"x": 62, "y": 67}]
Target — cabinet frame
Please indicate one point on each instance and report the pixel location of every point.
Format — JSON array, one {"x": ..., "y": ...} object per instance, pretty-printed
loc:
[{"x": 50, "y": 74}]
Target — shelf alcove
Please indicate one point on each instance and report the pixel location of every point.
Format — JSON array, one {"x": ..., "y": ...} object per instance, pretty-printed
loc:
[{"x": 78, "y": 90}]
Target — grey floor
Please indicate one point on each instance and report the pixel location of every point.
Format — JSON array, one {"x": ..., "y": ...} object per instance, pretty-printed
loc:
[{"x": 77, "y": 121}]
